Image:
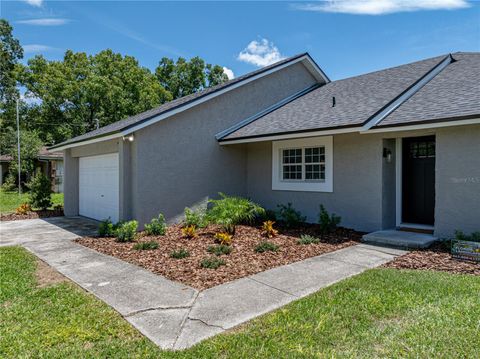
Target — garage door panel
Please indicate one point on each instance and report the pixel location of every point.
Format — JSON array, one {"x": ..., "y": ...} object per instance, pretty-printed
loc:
[{"x": 99, "y": 186}]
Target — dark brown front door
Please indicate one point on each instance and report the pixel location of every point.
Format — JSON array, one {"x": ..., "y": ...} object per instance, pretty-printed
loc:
[{"x": 418, "y": 180}]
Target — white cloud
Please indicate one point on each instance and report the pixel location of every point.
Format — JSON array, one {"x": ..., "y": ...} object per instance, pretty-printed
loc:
[
  {"x": 36, "y": 3},
  {"x": 260, "y": 53},
  {"x": 228, "y": 72},
  {"x": 380, "y": 7},
  {"x": 33, "y": 48},
  {"x": 44, "y": 22}
]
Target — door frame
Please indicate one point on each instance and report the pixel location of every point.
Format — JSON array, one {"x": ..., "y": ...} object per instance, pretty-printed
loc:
[{"x": 399, "y": 185}]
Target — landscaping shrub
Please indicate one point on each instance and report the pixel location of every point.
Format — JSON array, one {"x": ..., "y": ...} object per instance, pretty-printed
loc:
[
  {"x": 58, "y": 207},
  {"x": 289, "y": 216},
  {"x": 328, "y": 223},
  {"x": 307, "y": 239},
  {"x": 268, "y": 229},
  {"x": 106, "y": 228},
  {"x": 212, "y": 262},
  {"x": 197, "y": 218},
  {"x": 473, "y": 237},
  {"x": 230, "y": 211},
  {"x": 223, "y": 238},
  {"x": 180, "y": 254},
  {"x": 126, "y": 231},
  {"x": 220, "y": 249},
  {"x": 40, "y": 191},
  {"x": 157, "y": 226},
  {"x": 9, "y": 185},
  {"x": 145, "y": 245},
  {"x": 24, "y": 208},
  {"x": 266, "y": 246},
  {"x": 189, "y": 231}
]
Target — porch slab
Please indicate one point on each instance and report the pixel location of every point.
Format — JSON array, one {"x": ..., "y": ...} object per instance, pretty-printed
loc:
[{"x": 400, "y": 239}]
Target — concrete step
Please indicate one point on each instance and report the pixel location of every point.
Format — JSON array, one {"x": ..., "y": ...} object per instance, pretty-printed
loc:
[{"x": 402, "y": 239}]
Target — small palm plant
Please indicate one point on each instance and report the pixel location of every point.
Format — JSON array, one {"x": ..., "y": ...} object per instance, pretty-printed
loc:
[{"x": 230, "y": 211}]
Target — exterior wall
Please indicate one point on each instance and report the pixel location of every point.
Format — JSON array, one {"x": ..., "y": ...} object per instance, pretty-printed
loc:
[
  {"x": 364, "y": 189},
  {"x": 457, "y": 180},
  {"x": 70, "y": 178},
  {"x": 357, "y": 182},
  {"x": 389, "y": 186},
  {"x": 177, "y": 162}
]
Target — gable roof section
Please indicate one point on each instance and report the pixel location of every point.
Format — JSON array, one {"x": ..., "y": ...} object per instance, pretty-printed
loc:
[
  {"x": 357, "y": 100},
  {"x": 130, "y": 124},
  {"x": 454, "y": 94}
]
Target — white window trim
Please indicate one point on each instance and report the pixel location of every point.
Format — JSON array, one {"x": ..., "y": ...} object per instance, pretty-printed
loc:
[{"x": 278, "y": 184}]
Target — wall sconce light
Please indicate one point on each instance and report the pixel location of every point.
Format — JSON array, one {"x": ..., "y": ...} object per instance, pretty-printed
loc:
[
  {"x": 387, "y": 154},
  {"x": 129, "y": 138}
]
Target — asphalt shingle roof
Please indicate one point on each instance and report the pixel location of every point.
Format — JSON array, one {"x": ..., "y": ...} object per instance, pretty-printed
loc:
[
  {"x": 144, "y": 116},
  {"x": 453, "y": 93},
  {"x": 357, "y": 99}
]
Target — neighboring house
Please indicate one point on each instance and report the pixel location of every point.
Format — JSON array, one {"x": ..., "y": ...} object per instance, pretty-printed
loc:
[
  {"x": 49, "y": 163},
  {"x": 398, "y": 147}
]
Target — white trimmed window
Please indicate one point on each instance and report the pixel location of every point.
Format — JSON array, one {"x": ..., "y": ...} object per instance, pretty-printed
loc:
[{"x": 303, "y": 164}]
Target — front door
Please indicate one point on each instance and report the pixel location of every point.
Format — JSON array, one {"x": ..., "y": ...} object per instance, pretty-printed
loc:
[{"x": 418, "y": 180}]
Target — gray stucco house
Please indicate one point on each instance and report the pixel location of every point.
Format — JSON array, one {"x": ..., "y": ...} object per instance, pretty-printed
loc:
[{"x": 393, "y": 148}]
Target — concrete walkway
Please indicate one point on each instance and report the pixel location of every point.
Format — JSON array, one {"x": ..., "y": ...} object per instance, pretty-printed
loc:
[{"x": 173, "y": 315}]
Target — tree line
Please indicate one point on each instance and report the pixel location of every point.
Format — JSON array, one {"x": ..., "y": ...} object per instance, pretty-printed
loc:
[{"x": 67, "y": 98}]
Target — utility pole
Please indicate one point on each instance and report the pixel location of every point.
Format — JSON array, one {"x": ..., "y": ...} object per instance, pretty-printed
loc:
[{"x": 18, "y": 152}]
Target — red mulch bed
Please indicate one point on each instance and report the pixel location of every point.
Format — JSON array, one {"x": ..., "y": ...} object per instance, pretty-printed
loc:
[
  {"x": 437, "y": 258},
  {"x": 241, "y": 262},
  {"x": 31, "y": 215}
]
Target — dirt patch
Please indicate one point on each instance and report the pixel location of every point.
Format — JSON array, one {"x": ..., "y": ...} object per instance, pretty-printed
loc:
[
  {"x": 31, "y": 215},
  {"x": 437, "y": 258},
  {"x": 47, "y": 276},
  {"x": 241, "y": 262}
]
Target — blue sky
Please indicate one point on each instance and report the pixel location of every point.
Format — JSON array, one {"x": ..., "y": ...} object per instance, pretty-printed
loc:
[{"x": 346, "y": 37}]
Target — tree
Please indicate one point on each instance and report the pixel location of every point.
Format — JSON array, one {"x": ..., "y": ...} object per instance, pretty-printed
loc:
[
  {"x": 30, "y": 145},
  {"x": 76, "y": 92},
  {"x": 186, "y": 77},
  {"x": 10, "y": 53},
  {"x": 40, "y": 191}
]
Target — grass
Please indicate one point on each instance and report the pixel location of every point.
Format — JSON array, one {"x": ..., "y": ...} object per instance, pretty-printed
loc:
[
  {"x": 9, "y": 201},
  {"x": 380, "y": 313}
]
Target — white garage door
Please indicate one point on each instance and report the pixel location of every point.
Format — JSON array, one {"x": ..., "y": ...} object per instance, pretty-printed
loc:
[{"x": 98, "y": 187}]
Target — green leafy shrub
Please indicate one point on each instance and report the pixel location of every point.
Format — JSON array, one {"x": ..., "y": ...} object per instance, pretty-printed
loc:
[
  {"x": 157, "y": 226},
  {"x": 9, "y": 184},
  {"x": 289, "y": 216},
  {"x": 180, "y": 254},
  {"x": 106, "y": 228},
  {"x": 473, "y": 237},
  {"x": 40, "y": 191},
  {"x": 212, "y": 262},
  {"x": 144, "y": 246},
  {"x": 328, "y": 223},
  {"x": 126, "y": 231},
  {"x": 197, "y": 218},
  {"x": 265, "y": 246},
  {"x": 230, "y": 211},
  {"x": 220, "y": 249},
  {"x": 307, "y": 239}
]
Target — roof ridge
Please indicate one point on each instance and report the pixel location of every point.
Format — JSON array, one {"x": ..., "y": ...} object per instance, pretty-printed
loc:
[
  {"x": 392, "y": 68},
  {"x": 123, "y": 124},
  {"x": 410, "y": 91}
]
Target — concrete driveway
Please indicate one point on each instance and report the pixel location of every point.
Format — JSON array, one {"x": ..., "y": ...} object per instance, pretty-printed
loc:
[{"x": 14, "y": 233}]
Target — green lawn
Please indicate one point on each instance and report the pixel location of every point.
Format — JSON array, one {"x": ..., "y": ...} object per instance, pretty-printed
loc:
[
  {"x": 9, "y": 201},
  {"x": 380, "y": 313}
]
